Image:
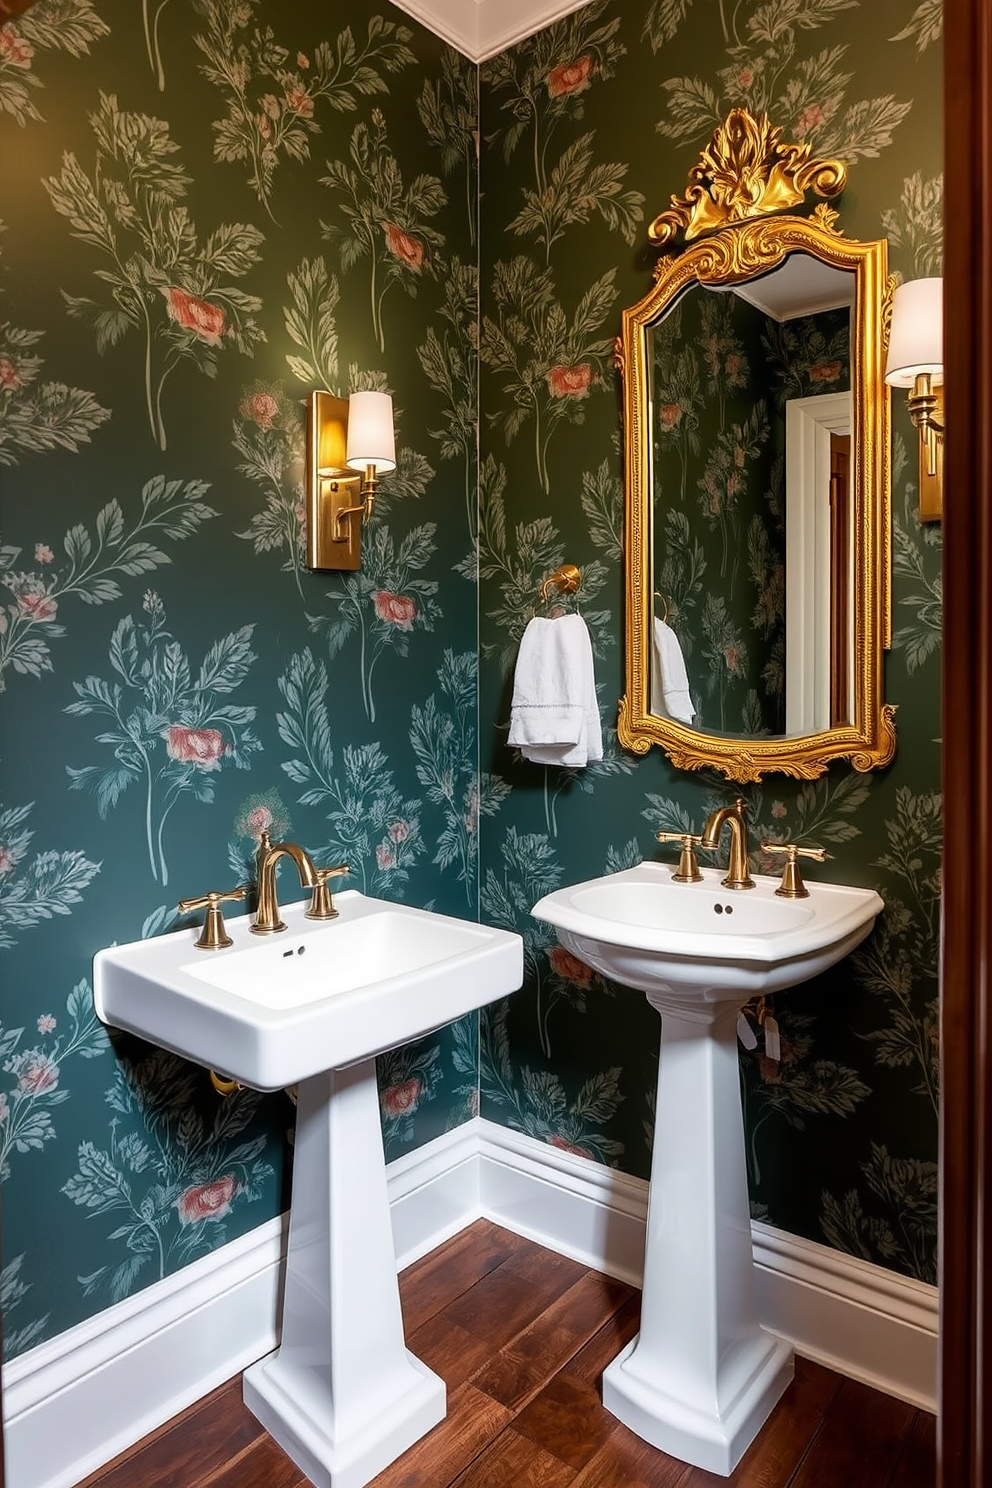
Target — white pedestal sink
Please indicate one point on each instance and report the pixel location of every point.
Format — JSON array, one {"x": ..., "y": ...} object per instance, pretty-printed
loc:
[
  {"x": 702, "y": 1375},
  {"x": 312, "y": 1006}
]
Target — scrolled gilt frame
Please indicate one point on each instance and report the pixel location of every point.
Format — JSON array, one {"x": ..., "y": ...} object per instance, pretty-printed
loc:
[{"x": 732, "y": 254}]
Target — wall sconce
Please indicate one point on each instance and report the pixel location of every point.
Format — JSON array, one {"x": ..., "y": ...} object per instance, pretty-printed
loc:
[
  {"x": 916, "y": 361},
  {"x": 344, "y": 436}
]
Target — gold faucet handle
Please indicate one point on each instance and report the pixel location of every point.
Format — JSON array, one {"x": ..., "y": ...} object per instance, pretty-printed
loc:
[
  {"x": 688, "y": 869},
  {"x": 792, "y": 886},
  {"x": 321, "y": 907},
  {"x": 213, "y": 936}
]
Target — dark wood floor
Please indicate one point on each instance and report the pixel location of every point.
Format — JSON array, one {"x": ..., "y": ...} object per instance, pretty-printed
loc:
[{"x": 521, "y": 1336}]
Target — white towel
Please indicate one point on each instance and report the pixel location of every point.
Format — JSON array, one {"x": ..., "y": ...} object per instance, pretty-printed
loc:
[
  {"x": 669, "y": 679},
  {"x": 554, "y": 717}
]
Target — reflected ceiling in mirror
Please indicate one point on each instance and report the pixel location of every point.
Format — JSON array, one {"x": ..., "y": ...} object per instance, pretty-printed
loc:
[{"x": 757, "y": 494}]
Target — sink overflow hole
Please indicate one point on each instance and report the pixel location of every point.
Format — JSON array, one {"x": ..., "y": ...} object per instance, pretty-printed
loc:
[
  {"x": 298, "y": 952},
  {"x": 723, "y": 909}
]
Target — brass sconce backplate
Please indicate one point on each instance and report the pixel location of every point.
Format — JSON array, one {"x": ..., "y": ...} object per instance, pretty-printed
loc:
[
  {"x": 932, "y": 486},
  {"x": 331, "y": 488}
]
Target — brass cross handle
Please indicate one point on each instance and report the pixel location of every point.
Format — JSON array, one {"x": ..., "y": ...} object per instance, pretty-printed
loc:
[
  {"x": 321, "y": 906},
  {"x": 688, "y": 869},
  {"x": 792, "y": 886},
  {"x": 213, "y": 936}
]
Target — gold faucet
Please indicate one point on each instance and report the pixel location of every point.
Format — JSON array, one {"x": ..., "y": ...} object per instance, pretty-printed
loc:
[
  {"x": 738, "y": 876},
  {"x": 267, "y": 917}
]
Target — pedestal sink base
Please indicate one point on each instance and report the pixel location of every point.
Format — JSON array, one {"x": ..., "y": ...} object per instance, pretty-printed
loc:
[
  {"x": 713, "y": 1435},
  {"x": 405, "y": 1410},
  {"x": 342, "y": 1395}
]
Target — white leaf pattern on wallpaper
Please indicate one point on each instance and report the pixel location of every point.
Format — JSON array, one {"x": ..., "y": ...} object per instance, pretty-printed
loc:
[
  {"x": 96, "y": 561},
  {"x": 382, "y": 604},
  {"x": 444, "y": 745},
  {"x": 34, "y": 887},
  {"x": 372, "y": 827},
  {"x": 269, "y": 437},
  {"x": 36, "y": 417},
  {"x": 537, "y": 1103},
  {"x": 170, "y": 1193},
  {"x": 549, "y": 361},
  {"x": 311, "y": 324},
  {"x": 168, "y": 729},
  {"x": 272, "y": 94},
  {"x": 69, "y": 27},
  {"x": 160, "y": 280},
  {"x": 805, "y": 95},
  {"x": 447, "y": 356},
  {"x": 449, "y": 110},
  {"x": 384, "y": 221}
]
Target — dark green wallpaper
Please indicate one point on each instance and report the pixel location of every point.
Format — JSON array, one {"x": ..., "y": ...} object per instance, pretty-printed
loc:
[
  {"x": 588, "y": 129},
  {"x": 208, "y": 209}
]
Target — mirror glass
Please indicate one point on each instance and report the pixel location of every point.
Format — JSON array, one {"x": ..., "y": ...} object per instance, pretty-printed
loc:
[{"x": 752, "y": 533}]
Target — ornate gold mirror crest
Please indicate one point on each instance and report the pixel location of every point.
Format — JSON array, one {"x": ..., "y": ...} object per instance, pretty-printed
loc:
[{"x": 758, "y": 510}]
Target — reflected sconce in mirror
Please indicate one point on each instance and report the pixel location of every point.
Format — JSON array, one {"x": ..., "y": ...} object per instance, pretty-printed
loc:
[
  {"x": 916, "y": 361},
  {"x": 350, "y": 442}
]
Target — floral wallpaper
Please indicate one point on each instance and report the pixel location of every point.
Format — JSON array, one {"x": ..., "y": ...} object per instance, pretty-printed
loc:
[
  {"x": 210, "y": 208},
  {"x": 588, "y": 128}
]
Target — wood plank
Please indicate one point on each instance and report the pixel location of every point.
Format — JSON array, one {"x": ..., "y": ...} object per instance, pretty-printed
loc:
[
  {"x": 859, "y": 1442},
  {"x": 449, "y": 1350},
  {"x": 625, "y": 1459},
  {"x": 200, "y": 1441},
  {"x": 518, "y": 1370},
  {"x": 917, "y": 1466},
  {"x": 472, "y": 1422},
  {"x": 604, "y": 1346},
  {"x": 513, "y": 1462},
  {"x": 263, "y": 1465},
  {"x": 445, "y": 1273},
  {"x": 567, "y": 1419},
  {"x": 497, "y": 1307}
]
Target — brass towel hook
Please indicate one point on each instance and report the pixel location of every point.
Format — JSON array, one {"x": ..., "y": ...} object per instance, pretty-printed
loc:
[{"x": 565, "y": 580}]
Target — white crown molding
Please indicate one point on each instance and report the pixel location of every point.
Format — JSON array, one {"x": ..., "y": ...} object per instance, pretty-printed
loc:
[
  {"x": 75, "y": 1402},
  {"x": 482, "y": 28}
]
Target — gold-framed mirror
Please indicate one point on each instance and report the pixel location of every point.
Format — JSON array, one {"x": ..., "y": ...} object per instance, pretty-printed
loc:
[{"x": 757, "y": 503}]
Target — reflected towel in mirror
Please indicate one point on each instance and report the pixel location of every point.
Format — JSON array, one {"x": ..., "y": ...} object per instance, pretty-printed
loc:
[
  {"x": 669, "y": 679},
  {"x": 554, "y": 716}
]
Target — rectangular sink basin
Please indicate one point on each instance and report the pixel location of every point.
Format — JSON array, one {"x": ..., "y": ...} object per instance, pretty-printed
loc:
[{"x": 271, "y": 1011}]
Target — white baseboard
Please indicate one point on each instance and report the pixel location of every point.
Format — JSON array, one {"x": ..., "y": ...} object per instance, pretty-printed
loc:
[{"x": 73, "y": 1403}]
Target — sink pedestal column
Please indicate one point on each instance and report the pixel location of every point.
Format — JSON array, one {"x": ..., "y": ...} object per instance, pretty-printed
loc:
[
  {"x": 342, "y": 1395},
  {"x": 702, "y": 1376}
]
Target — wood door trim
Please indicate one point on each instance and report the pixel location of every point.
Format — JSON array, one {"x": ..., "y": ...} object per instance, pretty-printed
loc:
[{"x": 964, "y": 1446}]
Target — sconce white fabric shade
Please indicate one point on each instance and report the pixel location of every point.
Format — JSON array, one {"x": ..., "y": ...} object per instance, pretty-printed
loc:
[
  {"x": 371, "y": 440},
  {"x": 916, "y": 340}
]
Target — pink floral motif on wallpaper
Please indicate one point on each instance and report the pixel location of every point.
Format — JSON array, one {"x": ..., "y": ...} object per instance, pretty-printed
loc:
[
  {"x": 571, "y": 77},
  {"x": 570, "y": 382},
  {"x": 206, "y": 1200},
  {"x": 201, "y": 747},
  {"x": 199, "y": 316},
  {"x": 396, "y": 609}
]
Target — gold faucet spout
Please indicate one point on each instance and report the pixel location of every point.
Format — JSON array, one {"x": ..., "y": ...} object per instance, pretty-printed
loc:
[
  {"x": 738, "y": 873},
  {"x": 267, "y": 916}
]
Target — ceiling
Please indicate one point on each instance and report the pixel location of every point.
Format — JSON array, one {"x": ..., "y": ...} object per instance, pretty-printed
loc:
[{"x": 481, "y": 28}]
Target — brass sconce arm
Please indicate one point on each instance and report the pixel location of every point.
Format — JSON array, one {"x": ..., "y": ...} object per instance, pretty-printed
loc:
[{"x": 924, "y": 404}]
